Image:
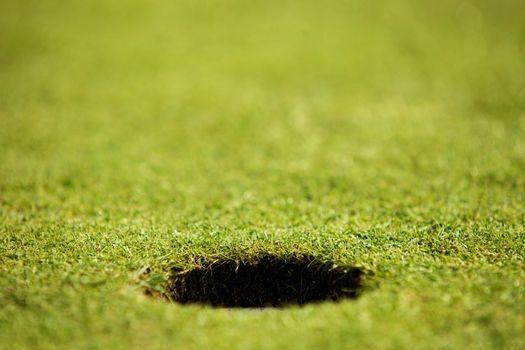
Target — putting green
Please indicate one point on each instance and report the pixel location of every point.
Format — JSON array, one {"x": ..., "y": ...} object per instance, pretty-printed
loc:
[{"x": 137, "y": 137}]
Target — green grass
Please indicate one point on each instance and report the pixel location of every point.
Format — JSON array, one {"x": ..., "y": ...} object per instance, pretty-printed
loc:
[{"x": 386, "y": 135}]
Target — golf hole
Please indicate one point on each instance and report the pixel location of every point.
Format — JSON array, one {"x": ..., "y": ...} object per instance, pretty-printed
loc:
[{"x": 267, "y": 281}]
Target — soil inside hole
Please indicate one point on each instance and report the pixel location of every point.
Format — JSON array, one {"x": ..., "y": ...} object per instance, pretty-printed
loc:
[{"x": 268, "y": 281}]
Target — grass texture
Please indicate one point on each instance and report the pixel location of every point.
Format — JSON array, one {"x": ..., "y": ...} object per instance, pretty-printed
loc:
[{"x": 139, "y": 136}]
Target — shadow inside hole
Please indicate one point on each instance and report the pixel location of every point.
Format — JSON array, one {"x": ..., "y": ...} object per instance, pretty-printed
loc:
[{"x": 266, "y": 282}]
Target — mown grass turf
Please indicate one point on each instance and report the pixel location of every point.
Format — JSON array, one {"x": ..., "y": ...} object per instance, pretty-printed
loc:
[{"x": 143, "y": 135}]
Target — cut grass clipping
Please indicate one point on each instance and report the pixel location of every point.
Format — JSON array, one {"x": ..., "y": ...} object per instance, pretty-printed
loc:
[{"x": 268, "y": 281}]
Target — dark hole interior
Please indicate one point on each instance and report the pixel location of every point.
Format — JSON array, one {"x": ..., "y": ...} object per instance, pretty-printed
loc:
[{"x": 265, "y": 282}]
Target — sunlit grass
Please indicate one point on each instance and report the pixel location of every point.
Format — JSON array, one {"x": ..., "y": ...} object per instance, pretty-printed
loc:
[{"x": 139, "y": 136}]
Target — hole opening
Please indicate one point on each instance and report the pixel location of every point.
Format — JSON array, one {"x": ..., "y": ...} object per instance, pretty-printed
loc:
[{"x": 267, "y": 281}]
